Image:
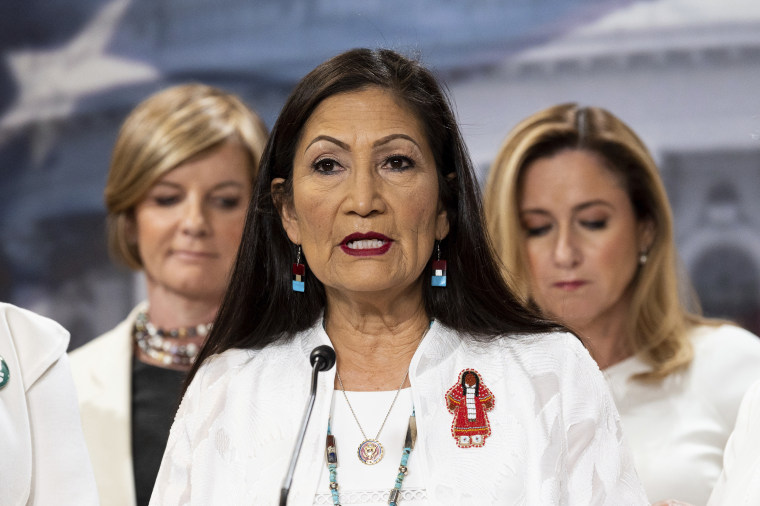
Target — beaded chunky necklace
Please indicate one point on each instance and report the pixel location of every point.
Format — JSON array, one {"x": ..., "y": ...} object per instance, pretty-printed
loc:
[
  {"x": 169, "y": 347},
  {"x": 331, "y": 454}
]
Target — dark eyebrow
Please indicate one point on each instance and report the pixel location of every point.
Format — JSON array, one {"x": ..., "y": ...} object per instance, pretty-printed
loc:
[
  {"x": 327, "y": 138},
  {"x": 379, "y": 142},
  {"x": 389, "y": 138}
]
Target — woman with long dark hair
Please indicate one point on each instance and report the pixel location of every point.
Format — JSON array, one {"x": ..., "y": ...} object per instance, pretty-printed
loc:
[{"x": 366, "y": 234}]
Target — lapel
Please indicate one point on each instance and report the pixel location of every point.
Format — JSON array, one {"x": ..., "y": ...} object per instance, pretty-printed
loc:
[
  {"x": 103, "y": 374},
  {"x": 14, "y": 423},
  {"x": 38, "y": 344}
]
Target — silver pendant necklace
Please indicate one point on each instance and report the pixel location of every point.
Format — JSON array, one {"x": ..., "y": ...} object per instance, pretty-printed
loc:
[{"x": 370, "y": 451}]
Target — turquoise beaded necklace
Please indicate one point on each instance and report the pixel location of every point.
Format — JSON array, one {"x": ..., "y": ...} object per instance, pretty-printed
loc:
[{"x": 331, "y": 453}]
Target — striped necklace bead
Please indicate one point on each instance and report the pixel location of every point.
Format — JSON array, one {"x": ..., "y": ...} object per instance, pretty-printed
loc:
[{"x": 331, "y": 457}]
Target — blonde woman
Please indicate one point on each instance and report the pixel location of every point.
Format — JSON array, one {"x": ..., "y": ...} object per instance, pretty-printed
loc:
[
  {"x": 178, "y": 187},
  {"x": 580, "y": 218}
]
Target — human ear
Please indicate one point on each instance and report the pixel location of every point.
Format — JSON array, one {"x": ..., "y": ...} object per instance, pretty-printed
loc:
[
  {"x": 284, "y": 206},
  {"x": 646, "y": 234},
  {"x": 442, "y": 220},
  {"x": 441, "y": 223}
]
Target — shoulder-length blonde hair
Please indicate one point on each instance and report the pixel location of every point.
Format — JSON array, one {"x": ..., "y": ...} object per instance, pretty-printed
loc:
[
  {"x": 162, "y": 132},
  {"x": 658, "y": 319}
]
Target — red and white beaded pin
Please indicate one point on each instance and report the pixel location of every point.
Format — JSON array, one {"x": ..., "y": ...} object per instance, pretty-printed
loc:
[{"x": 468, "y": 401}]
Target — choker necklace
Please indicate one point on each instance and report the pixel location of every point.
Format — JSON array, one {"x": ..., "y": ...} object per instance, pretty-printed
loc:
[
  {"x": 168, "y": 347},
  {"x": 370, "y": 451}
]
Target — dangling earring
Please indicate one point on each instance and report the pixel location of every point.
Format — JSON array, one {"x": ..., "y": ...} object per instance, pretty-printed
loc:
[
  {"x": 299, "y": 273},
  {"x": 439, "y": 268},
  {"x": 643, "y": 257}
]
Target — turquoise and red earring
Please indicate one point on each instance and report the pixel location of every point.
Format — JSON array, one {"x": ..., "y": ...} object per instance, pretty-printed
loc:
[
  {"x": 439, "y": 268},
  {"x": 299, "y": 273}
]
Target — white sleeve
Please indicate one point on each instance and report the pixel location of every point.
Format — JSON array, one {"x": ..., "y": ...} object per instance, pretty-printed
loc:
[
  {"x": 739, "y": 482},
  {"x": 61, "y": 471},
  {"x": 599, "y": 463}
]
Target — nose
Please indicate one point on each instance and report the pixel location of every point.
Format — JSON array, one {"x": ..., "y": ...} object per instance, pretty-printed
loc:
[
  {"x": 194, "y": 221},
  {"x": 567, "y": 254},
  {"x": 365, "y": 192}
]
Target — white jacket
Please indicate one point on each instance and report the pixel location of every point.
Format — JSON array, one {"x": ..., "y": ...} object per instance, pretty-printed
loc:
[
  {"x": 555, "y": 433},
  {"x": 739, "y": 483},
  {"x": 43, "y": 459},
  {"x": 678, "y": 427},
  {"x": 102, "y": 371}
]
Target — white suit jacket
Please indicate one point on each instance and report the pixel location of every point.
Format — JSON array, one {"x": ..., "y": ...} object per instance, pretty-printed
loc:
[
  {"x": 102, "y": 372},
  {"x": 43, "y": 459},
  {"x": 555, "y": 433},
  {"x": 739, "y": 483}
]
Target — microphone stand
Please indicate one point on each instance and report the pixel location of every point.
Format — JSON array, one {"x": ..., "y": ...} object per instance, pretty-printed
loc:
[{"x": 322, "y": 358}]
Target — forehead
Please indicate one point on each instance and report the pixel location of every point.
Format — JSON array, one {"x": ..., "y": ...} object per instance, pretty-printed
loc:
[
  {"x": 363, "y": 113},
  {"x": 569, "y": 177},
  {"x": 229, "y": 160}
]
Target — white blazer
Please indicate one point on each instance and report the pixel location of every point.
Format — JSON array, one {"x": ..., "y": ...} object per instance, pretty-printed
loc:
[
  {"x": 43, "y": 459},
  {"x": 555, "y": 433},
  {"x": 739, "y": 483},
  {"x": 102, "y": 372}
]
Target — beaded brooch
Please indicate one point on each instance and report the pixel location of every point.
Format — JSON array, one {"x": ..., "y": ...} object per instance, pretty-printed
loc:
[{"x": 468, "y": 401}]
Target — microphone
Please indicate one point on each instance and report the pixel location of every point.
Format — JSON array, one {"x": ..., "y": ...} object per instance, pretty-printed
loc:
[{"x": 322, "y": 358}]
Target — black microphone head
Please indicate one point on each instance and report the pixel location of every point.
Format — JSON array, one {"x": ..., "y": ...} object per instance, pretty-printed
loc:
[{"x": 324, "y": 355}]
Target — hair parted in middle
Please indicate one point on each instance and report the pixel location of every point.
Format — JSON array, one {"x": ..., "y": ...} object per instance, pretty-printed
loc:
[
  {"x": 260, "y": 306},
  {"x": 659, "y": 317}
]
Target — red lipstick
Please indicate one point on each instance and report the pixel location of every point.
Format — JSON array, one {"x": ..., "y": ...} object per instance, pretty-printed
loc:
[{"x": 365, "y": 244}]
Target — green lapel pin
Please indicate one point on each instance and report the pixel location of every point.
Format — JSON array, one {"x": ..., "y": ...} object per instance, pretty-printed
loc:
[{"x": 5, "y": 374}]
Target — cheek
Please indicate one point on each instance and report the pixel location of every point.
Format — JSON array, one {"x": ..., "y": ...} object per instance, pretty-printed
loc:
[
  {"x": 420, "y": 210},
  {"x": 231, "y": 232},
  {"x": 314, "y": 220},
  {"x": 536, "y": 257},
  {"x": 618, "y": 260},
  {"x": 148, "y": 232}
]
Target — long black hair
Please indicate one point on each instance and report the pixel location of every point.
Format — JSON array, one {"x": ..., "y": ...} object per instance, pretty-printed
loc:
[{"x": 260, "y": 306}]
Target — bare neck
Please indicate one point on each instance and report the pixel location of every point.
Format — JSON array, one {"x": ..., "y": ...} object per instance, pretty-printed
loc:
[
  {"x": 170, "y": 310},
  {"x": 374, "y": 343},
  {"x": 607, "y": 340}
]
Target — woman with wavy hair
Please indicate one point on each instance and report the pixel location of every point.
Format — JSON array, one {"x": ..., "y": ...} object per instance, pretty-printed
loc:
[{"x": 579, "y": 215}]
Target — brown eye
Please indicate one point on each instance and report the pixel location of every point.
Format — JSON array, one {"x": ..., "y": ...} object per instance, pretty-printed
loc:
[
  {"x": 325, "y": 165},
  {"x": 399, "y": 163}
]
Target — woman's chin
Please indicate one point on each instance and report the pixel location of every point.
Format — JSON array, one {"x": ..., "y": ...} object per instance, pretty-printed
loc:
[{"x": 372, "y": 287}]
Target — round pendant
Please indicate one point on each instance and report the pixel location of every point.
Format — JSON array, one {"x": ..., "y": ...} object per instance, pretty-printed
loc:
[
  {"x": 5, "y": 374},
  {"x": 370, "y": 452}
]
